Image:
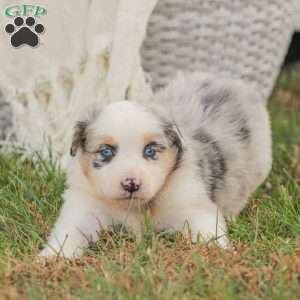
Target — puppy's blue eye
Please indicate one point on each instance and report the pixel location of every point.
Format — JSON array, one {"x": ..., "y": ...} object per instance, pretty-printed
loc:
[
  {"x": 149, "y": 152},
  {"x": 107, "y": 153}
]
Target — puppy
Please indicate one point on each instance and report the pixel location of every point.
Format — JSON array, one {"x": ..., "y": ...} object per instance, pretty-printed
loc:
[{"x": 191, "y": 156}]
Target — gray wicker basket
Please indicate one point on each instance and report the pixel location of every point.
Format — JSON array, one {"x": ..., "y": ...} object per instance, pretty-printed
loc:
[{"x": 235, "y": 38}]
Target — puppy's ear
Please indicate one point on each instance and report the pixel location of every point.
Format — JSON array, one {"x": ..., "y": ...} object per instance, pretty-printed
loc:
[
  {"x": 174, "y": 136},
  {"x": 79, "y": 137}
]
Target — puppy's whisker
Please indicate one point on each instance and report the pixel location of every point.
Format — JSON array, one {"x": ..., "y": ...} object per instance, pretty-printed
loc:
[{"x": 177, "y": 128}]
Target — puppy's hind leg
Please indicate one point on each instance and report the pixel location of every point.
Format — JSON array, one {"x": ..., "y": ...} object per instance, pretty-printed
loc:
[{"x": 78, "y": 224}]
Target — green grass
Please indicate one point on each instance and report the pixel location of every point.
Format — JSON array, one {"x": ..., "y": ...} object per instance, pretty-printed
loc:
[{"x": 264, "y": 264}]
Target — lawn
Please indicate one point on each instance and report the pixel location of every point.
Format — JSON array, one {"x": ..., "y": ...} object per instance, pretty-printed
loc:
[{"x": 264, "y": 264}]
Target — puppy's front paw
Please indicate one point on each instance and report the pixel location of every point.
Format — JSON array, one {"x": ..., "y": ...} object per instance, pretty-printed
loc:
[
  {"x": 50, "y": 252},
  {"x": 221, "y": 240},
  {"x": 45, "y": 256},
  {"x": 209, "y": 233}
]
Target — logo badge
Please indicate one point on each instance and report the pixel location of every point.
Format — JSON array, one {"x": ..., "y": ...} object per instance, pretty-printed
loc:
[{"x": 25, "y": 29}]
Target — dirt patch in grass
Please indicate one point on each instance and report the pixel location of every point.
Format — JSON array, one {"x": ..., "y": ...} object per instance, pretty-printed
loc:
[{"x": 194, "y": 270}]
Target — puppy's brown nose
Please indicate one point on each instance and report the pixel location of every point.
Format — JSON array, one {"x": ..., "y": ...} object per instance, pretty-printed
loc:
[{"x": 131, "y": 185}]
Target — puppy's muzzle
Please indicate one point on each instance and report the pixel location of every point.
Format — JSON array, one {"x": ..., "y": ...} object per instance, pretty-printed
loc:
[{"x": 131, "y": 185}]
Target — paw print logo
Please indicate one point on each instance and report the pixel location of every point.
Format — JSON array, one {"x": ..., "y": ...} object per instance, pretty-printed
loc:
[{"x": 24, "y": 32}]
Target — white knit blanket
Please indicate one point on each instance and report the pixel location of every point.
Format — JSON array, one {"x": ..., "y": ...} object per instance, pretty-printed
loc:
[{"x": 88, "y": 56}]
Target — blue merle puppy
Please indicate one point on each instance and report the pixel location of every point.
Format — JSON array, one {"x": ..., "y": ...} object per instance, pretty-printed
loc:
[{"x": 191, "y": 156}]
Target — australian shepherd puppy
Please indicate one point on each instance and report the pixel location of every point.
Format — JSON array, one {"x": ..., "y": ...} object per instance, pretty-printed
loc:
[{"x": 191, "y": 156}]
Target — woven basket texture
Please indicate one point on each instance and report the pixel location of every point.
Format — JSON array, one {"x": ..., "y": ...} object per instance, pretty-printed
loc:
[{"x": 236, "y": 38}]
